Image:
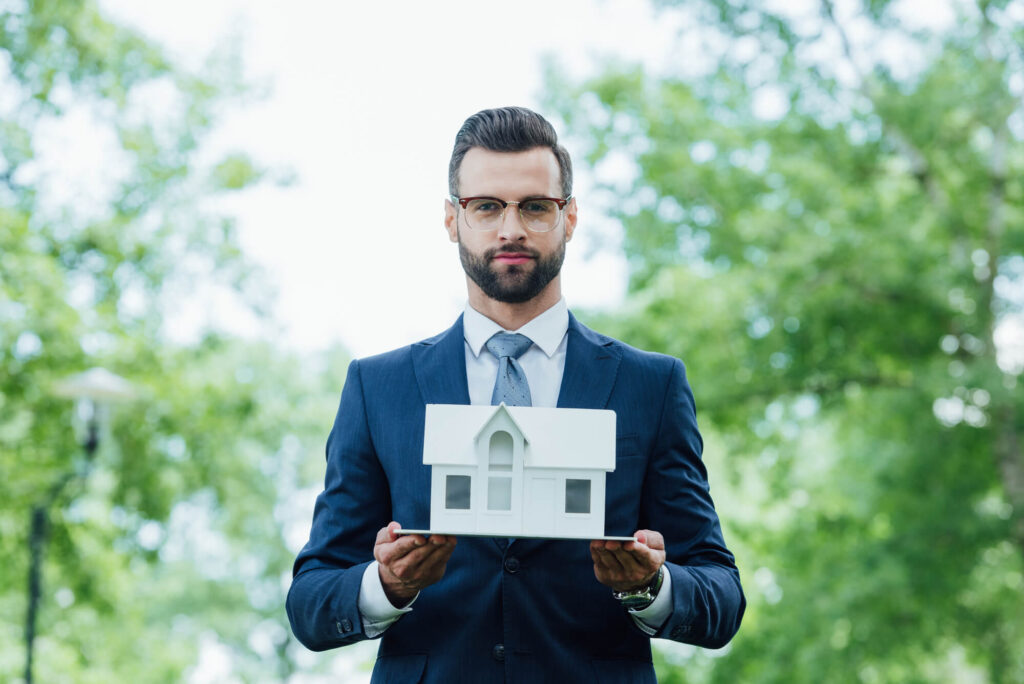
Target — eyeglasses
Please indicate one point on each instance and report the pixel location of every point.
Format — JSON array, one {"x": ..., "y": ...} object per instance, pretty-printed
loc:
[{"x": 539, "y": 214}]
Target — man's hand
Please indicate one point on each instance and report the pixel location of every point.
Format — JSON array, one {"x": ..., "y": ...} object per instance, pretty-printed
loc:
[
  {"x": 628, "y": 566},
  {"x": 407, "y": 563}
]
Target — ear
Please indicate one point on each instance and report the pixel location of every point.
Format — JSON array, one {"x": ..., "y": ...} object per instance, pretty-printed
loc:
[
  {"x": 451, "y": 220},
  {"x": 570, "y": 219}
]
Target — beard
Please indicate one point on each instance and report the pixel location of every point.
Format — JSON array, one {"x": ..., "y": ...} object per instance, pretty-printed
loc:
[{"x": 518, "y": 283}]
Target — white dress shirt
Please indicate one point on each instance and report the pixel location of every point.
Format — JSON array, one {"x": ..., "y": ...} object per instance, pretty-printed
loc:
[{"x": 543, "y": 364}]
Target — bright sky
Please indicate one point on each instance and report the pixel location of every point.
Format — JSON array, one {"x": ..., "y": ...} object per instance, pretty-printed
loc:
[{"x": 364, "y": 104}]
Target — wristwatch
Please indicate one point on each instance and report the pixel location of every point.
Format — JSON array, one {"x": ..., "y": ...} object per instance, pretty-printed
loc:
[{"x": 638, "y": 599}]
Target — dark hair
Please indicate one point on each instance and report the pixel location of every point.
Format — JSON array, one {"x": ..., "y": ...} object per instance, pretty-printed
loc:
[{"x": 508, "y": 129}]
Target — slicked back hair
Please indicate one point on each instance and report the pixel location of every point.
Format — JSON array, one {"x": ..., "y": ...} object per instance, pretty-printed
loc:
[{"x": 508, "y": 129}]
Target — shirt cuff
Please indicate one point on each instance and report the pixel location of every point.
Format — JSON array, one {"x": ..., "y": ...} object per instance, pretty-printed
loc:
[
  {"x": 375, "y": 608},
  {"x": 651, "y": 618}
]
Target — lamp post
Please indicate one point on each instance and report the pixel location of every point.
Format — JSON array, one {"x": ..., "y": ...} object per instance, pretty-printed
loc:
[{"x": 91, "y": 390}]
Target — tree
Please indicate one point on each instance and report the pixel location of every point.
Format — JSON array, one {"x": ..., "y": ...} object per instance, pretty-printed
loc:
[
  {"x": 824, "y": 220},
  {"x": 174, "y": 538}
]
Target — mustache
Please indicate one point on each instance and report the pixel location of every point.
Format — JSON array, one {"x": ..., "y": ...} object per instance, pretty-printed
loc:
[{"x": 511, "y": 249}]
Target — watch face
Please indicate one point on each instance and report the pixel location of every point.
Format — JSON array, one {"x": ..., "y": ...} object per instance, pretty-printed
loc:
[
  {"x": 637, "y": 601},
  {"x": 640, "y": 599}
]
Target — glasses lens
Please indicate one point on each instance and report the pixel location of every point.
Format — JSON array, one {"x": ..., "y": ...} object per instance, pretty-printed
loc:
[
  {"x": 539, "y": 215},
  {"x": 484, "y": 213}
]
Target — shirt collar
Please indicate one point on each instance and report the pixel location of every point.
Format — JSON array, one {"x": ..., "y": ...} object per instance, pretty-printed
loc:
[{"x": 546, "y": 330}]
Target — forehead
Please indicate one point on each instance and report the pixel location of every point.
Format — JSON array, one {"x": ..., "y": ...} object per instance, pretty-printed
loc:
[{"x": 509, "y": 175}]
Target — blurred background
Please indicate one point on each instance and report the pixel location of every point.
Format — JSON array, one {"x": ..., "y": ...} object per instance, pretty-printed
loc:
[{"x": 214, "y": 206}]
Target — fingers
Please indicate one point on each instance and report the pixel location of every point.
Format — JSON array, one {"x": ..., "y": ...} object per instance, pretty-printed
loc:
[
  {"x": 410, "y": 562},
  {"x": 386, "y": 535},
  {"x": 406, "y": 575},
  {"x": 631, "y": 564},
  {"x": 620, "y": 565},
  {"x": 391, "y": 547},
  {"x": 389, "y": 534},
  {"x": 418, "y": 565}
]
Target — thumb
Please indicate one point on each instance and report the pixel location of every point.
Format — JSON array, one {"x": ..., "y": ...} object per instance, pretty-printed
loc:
[{"x": 653, "y": 539}]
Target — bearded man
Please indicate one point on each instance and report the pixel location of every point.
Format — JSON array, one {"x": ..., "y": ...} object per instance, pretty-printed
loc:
[{"x": 480, "y": 609}]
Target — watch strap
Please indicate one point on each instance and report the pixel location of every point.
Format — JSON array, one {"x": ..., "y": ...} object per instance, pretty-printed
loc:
[{"x": 639, "y": 599}]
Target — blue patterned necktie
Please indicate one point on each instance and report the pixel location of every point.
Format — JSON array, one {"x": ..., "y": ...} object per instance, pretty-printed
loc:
[{"x": 510, "y": 386}]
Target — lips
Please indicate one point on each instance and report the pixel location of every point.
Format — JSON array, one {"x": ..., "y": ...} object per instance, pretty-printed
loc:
[{"x": 513, "y": 258}]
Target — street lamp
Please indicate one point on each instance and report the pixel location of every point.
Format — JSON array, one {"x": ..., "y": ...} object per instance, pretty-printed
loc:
[{"x": 91, "y": 390}]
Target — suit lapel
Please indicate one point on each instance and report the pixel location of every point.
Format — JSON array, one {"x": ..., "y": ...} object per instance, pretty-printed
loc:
[
  {"x": 591, "y": 364},
  {"x": 440, "y": 367}
]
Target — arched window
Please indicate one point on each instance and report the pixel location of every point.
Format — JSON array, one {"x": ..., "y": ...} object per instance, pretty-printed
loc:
[
  {"x": 499, "y": 476},
  {"x": 500, "y": 451}
]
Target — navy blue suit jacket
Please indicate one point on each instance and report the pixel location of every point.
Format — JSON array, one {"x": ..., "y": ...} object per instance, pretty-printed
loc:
[{"x": 531, "y": 612}]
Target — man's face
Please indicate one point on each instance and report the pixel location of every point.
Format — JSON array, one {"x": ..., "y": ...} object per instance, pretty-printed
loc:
[{"x": 510, "y": 264}]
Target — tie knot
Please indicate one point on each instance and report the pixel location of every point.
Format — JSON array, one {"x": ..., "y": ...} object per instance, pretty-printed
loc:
[{"x": 505, "y": 344}]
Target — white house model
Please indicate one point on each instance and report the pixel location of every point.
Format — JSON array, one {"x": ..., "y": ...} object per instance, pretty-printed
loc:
[{"x": 518, "y": 471}]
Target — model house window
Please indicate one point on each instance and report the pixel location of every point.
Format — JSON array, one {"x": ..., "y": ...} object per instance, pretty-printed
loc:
[
  {"x": 577, "y": 496},
  {"x": 499, "y": 476},
  {"x": 456, "y": 492},
  {"x": 499, "y": 493}
]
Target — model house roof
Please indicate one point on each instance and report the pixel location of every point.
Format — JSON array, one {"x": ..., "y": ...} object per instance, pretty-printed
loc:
[
  {"x": 496, "y": 415},
  {"x": 555, "y": 437}
]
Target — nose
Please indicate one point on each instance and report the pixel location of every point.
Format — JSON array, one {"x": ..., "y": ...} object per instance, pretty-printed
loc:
[{"x": 512, "y": 227}]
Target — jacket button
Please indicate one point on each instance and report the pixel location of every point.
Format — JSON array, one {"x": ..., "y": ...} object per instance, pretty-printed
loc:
[
  {"x": 498, "y": 652},
  {"x": 344, "y": 626},
  {"x": 512, "y": 565}
]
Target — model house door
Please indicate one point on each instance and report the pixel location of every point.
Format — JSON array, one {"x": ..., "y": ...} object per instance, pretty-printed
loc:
[{"x": 539, "y": 506}]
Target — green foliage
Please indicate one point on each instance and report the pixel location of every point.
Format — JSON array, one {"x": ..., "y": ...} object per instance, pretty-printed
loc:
[
  {"x": 173, "y": 535},
  {"x": 834, "y": 270}
]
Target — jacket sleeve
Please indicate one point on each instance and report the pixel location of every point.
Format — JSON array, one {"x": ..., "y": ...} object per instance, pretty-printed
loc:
[
  {"x": 707, "y": 599},
  {"x": 323, "y": 599}
]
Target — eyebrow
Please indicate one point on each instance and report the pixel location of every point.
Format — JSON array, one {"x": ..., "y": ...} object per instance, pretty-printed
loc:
[{"x": 521, "y": 199}]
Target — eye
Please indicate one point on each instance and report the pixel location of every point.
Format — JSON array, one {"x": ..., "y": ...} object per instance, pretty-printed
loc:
[
  {"x": 537, "y": 207},
  {"x": 485, "y": 206}
]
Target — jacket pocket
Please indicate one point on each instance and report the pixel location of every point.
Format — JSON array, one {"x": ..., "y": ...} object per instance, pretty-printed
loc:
[{"x": 399, "y": 669}]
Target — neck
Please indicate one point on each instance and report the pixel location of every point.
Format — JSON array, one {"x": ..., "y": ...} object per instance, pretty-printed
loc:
[{"x": 514, "y": 316}]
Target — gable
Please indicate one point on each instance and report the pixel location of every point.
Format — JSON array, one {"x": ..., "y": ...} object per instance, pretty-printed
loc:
[{"x": 500, "y": 415}]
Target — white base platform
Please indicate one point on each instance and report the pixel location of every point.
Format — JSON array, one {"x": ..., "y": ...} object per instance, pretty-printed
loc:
[{"x": 427, "y": 533}]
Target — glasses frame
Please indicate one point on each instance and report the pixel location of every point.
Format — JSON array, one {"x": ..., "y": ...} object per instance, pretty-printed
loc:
[{"x": 463, "y": 201}]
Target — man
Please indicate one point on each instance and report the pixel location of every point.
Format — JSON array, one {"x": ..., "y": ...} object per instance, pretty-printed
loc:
[{"x": 482, "y": 609}]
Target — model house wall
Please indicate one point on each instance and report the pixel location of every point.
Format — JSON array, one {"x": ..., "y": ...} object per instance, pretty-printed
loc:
[{"x": 518, "y": 471}]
